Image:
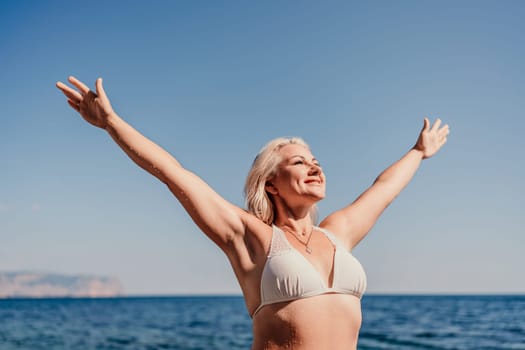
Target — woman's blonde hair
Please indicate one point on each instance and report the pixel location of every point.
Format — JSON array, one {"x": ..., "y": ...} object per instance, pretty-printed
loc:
[{"x": 264, "y": 167}]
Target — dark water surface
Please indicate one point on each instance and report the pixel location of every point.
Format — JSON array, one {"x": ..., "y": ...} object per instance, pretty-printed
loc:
[
  {"x": 443, "y": 322},
  {"x": 389, "y": 322}
]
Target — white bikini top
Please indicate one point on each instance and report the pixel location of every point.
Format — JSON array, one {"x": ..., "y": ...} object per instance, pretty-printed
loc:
[{"x": 288, "y": 275}]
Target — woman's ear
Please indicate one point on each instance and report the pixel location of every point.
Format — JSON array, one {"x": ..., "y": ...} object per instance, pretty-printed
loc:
[{"x": 270, "y": 188}]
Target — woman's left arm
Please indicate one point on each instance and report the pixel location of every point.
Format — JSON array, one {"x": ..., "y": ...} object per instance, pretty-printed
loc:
[{"x": 353, "y": 222}]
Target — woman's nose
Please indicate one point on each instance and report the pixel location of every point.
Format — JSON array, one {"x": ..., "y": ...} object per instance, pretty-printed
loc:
[{"x": 314, "y": 169}]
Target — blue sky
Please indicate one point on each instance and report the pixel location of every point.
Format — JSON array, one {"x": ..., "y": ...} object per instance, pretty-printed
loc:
[{"x": 213, "y": 81}]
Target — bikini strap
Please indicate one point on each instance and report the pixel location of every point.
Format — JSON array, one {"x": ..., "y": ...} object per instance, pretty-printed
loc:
[
  {"x": 331, "y": 237},
  {"x": 279, "y": 242}
]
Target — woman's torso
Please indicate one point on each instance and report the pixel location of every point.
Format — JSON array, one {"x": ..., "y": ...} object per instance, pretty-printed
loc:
[{"x": 321, "y": 292}]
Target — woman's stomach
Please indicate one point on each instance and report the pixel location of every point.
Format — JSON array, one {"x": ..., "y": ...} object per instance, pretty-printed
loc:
[{"x": 327, "y": 321}]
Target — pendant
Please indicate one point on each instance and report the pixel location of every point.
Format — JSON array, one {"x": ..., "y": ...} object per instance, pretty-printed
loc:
[{"x": 308, "y": 250}]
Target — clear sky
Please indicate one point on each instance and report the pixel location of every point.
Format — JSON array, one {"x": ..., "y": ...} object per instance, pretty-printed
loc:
[{"x": 213, "y": 81}]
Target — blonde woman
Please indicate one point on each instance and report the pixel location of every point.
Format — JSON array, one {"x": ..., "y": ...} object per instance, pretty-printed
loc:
[{"x": 301, "y": 284}]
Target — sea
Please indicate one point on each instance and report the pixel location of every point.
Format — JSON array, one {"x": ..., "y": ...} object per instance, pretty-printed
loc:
[{"x": 411, "y": 322}]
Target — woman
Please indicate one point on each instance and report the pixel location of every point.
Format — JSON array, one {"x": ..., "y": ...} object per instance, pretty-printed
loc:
[{"x": 300, "y": 282}]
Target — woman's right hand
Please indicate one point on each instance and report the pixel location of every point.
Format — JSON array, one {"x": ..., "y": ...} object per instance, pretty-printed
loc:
[
  {"x": 431, "y": 140},
  {"x": 95, "y": 108}
]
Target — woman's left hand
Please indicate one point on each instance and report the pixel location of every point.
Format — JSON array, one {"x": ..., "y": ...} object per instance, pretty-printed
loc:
[
  {"x": 95, "y": 108},
  {"x": 431, "y": 139}
]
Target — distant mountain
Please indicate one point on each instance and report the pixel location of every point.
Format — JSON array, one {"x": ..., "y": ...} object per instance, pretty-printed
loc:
[{"x": 36, "y": 284}]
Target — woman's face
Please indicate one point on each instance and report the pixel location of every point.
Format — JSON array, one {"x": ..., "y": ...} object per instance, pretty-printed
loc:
[{"x": 299, "y": 175}]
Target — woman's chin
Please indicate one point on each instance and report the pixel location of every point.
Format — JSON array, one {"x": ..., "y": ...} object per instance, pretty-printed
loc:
[{"x": 317, "y": 196}]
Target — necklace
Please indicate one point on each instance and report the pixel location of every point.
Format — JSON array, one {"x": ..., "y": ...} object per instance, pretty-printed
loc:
[{"x": 306, "y": 244}]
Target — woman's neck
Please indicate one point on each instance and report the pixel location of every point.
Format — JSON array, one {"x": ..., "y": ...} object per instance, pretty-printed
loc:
[{"x": 299, "y": 226}]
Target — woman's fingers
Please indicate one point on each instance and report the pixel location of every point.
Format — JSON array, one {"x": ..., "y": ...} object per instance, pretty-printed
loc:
[
  {"x": 444, "y": 131},
  {"x": 79, "y": 85},
  {"x": 74, "y": 105},
  {"x": 436, "y": 125},
  {"x": 100, "y": 89},
  {"x": 426, "y": 123},
  {"x": 442, "y": 135},
  {"x": 71, "y": 94}
]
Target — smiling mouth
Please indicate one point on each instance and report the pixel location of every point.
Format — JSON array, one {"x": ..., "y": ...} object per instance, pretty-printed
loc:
[{"x": 318, "y": 182}]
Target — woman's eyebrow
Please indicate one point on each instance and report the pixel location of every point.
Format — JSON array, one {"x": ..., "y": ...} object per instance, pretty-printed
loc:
[
  {"x": 297, "y": 156},
  {"x": 303, "y": 157}
]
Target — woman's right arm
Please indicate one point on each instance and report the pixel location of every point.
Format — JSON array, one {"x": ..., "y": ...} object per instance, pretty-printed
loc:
[{"x": 217, "y": 218}]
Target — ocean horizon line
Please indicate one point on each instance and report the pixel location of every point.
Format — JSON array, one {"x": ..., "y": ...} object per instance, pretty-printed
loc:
[{"x": 238, "y": 295}]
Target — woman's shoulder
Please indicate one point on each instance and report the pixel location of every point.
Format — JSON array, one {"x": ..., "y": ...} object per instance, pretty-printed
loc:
[{"x": 337, "y": 226}]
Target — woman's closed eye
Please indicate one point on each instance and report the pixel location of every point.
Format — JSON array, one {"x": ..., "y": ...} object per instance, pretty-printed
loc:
[{"x": 301, "y": 162}]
